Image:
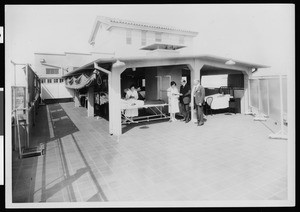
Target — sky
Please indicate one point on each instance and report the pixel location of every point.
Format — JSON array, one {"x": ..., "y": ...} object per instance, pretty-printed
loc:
[{"x": 261, "y": 34}]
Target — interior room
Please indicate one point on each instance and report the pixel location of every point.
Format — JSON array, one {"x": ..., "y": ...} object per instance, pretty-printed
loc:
[
  {"x": 224, "y": 87},
  {"x": 152, "y": 83}
]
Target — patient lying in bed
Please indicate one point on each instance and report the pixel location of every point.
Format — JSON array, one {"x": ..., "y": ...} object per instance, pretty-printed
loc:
[{"x": 131, "y": 102}]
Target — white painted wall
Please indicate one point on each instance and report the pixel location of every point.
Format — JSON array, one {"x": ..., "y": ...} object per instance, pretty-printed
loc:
[
  {"x": 114, "y": 40},
  {"x": 62, "y": 62},
  {"x": 56, "y": 91}
]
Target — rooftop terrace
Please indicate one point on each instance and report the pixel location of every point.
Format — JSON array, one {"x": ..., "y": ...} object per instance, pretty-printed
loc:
[{"x": 228, "y": 158}]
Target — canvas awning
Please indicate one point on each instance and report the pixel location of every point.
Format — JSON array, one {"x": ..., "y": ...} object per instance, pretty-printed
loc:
[{"x": 80, "y": 81}]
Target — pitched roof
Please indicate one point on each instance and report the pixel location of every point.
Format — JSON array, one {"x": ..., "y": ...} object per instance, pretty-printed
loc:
[{"x": 116, "y": 22}]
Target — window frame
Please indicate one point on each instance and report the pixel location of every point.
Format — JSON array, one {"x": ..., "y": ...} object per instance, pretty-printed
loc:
[
  {"x": 128, "y": 36},
  {"x": 51, "y": 70},
  {"x": 143, "y": 37},
  {"x": 158, "y": 36},
  {"x": 181, "y": 39}
]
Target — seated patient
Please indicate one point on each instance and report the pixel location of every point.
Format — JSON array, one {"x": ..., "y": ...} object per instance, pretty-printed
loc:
[{"x": 132, "y": 96}]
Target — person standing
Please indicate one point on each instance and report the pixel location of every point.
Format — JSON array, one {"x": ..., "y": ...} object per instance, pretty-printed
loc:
[
  {"x": 185, "y": 99},
  {"x": 173, "y": 96},
  {"x": 199, "y": 94}
]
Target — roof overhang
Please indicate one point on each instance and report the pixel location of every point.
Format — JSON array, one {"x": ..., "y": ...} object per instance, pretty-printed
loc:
[
  {"x": 209, "y": 58},
  {"x": 155, "y": 46}
]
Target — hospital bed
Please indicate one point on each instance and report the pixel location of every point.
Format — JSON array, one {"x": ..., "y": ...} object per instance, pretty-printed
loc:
[
  {"x": 156, "y": 109},
  {"x": 219, "y": 101}
]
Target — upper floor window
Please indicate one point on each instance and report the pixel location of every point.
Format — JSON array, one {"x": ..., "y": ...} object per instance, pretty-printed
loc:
[
  {"x": 43, "y": 80},
  {"x": 128, "y": 36},
  {"x": 61, "y": 80},
  {"x": 55, "y": 80},
  {"x": 49, "y": 80},
  {"x": 52, "y": 71},
  {"x": 144, "y": 38},
  {"x": 181, "y": 39},
  {"x": 158, "y": 36}
]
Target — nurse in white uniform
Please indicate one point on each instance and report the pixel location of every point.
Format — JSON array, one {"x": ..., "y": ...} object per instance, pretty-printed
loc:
[{"x": 173, "y": 95}]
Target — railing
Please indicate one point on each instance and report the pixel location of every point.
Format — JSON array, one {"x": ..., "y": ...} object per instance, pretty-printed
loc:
[
  {"x": 268, "y": 99},
  {"x": 25, "y": 102}
]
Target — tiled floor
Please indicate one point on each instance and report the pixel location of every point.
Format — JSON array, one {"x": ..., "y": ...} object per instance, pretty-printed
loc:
[{"x": 228, "y": 158}]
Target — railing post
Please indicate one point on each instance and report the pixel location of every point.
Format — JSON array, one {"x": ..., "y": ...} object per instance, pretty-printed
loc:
[
  {"x": 27, "y": 107},
  {"x": 268, "y": 97},
  {"x": 259, "y": 116},
  {"x": 281, "y": 134}
]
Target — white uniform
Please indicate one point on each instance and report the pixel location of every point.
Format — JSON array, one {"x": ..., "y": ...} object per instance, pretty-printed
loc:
[
  {"x": 135, "y": 111},
  {"x": 173, "y": 95}
]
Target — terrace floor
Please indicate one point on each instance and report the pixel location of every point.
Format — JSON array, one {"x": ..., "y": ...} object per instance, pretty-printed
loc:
[{"x": 228, "y": 158}]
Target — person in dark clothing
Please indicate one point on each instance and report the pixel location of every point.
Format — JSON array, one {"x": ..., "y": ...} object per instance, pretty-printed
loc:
[
  {"x": 199, "y": 94},
  {"x": 185, "y": 99}
]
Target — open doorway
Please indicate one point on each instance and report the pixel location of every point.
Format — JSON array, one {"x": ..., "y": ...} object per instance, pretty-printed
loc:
[
  {"x": 224, "y": 88},
  {"x": 101, "y": 103},
  {"x": 152, "y": 84}
]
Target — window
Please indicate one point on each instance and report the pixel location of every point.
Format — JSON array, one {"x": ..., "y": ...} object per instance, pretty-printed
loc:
[
  {"x": 43, "y": 80},
  {"x": 158, "y": 36},
  {"x": 214, "y": 81},
  {"x": 143, "y": 82},
  {"x": 61, "y": 80},
  {"x": 49, "y": 80},
  {"x": 128, "y": 37},
  {"x": 52, "y": 71},
  {"x": 181, "y": 39},
  {"x": 144, "y": 38},
  {"x": 55, "y": 80}
]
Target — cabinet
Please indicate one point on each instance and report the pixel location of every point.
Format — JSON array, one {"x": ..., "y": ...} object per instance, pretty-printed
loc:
[{"x": 235, "y": 105}]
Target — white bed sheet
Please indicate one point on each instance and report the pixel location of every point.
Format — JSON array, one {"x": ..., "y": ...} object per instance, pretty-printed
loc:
[
  {"x": 131, "y": 103},
  {"x": 219, "y": 101}
]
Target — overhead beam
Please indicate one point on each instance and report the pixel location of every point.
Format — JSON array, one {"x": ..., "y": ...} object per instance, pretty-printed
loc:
[{"x": 96, "y": 66}]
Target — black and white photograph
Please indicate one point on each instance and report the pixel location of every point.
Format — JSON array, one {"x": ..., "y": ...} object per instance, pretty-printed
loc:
[{"x": 170, "y": 105}]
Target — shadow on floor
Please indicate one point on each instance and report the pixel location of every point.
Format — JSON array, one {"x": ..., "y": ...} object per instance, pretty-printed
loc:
[
  {"x": 142, "y": 125},
  {"x": 61, "y": 125}
]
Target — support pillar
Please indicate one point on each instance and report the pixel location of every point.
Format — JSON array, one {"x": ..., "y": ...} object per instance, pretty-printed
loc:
[
  {"x": 245, "y": 103},
  {"x": 195, "y": 69},
  {"x": 76, "y": 98},
  {"x": 115, "y": 98},
  {"x": 91, "y": 102}
]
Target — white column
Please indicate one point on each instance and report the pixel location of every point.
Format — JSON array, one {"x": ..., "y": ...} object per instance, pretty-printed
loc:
[
  {"x": 76, "y": 98},
  {"x": 115, "y": 98},
  {"x": 91, "y": 101},
  {"x": 245, "y": 98},
  {"x": 195, "y": 69}
]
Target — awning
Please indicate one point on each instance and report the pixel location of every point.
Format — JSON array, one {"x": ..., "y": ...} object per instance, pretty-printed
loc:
[{"x": 80, "y": 81}]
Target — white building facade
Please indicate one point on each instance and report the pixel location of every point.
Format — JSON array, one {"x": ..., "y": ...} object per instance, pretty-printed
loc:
[
  {"x": 109, "y": 38},
  {"x": 124, "y": 37}
]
